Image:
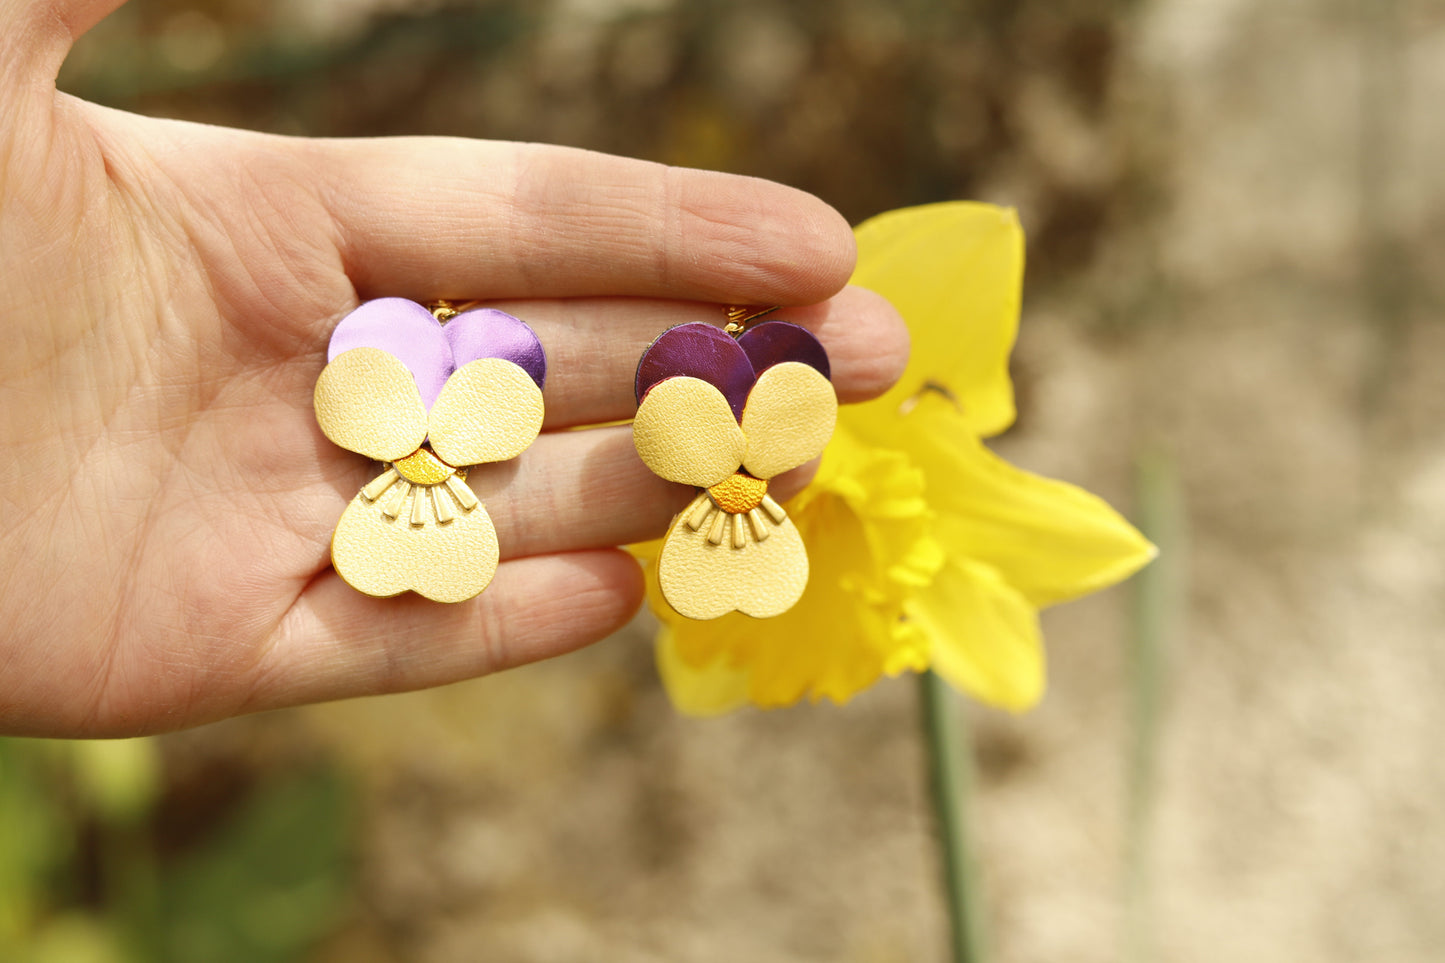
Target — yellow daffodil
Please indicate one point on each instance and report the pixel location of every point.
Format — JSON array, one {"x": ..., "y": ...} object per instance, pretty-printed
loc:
[{"x": 927, "y": 550}]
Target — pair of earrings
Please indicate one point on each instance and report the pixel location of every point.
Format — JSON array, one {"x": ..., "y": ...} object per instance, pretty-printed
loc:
[{"x": 432, "y": 392}]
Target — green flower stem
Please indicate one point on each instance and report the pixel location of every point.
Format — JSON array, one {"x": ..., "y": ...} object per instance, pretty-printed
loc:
[
  {"x": 1157, "y": 607},
  {"x": 951, "y": 774}
]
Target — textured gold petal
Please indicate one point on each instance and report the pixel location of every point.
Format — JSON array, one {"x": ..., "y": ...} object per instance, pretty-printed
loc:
[
  {"x": 701, "y": 579},
  {"x": 685, "y": 432},
  {"x": 788, "y": 419},
  {"x": 366, "y": 401},
  {"x": 739, "y": 493},
  {"x": 382, "y": 556},
  {"x": 421, "y": 467},
  {"x": 489, "y": 410}
]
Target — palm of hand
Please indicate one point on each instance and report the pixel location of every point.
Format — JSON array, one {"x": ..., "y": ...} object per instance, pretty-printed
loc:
[{"x": 169, "y": 499}]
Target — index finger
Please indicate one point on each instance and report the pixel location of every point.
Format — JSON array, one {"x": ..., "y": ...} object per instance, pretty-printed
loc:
[{"x": 430, "y": 217}]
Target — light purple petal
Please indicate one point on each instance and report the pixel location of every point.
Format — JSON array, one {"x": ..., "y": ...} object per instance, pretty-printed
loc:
[
  {"x": 405, "y": 330},
  {"x": 774, "y": 342},
  {"x": 489, "y": 333},
  {"x": 698, "y": 350}
]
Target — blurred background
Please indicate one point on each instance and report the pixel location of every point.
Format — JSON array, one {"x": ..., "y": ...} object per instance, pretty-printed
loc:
[{"x": 1232, "y": 330}]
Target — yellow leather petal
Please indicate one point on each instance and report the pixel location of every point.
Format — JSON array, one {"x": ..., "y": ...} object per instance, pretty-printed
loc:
[
  {"x": 383, "y": 556},
  {"x": 685, "y": 432},
  {"x": 489, "y": 410},
  {"x": 704, "y": 576},
  {"x": 366, "y": 401},
  {"x": 955, "y": 272},
  {"x": 788, "y": 419}
]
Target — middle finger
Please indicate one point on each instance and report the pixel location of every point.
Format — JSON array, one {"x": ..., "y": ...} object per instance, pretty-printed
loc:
[
  {"x": 576, "y": 490},
  {"x": 593, "y": 346}
]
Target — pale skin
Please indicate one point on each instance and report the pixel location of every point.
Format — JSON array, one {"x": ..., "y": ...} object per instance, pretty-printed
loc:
[{"x": 166, "y": 498}]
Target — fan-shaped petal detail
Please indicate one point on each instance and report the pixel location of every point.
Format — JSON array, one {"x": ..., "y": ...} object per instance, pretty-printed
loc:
[
  {"x": 367, "y": 402},
  {"x": 489, "y": 410},
  {"x": 788, "y": 419},
  {"x": 685, "y": 432}
]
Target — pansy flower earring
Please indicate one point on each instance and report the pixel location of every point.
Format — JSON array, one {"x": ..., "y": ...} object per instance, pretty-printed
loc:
[
  {"x": 431, "y": 399},
  {"x": 727, "y": 414}
]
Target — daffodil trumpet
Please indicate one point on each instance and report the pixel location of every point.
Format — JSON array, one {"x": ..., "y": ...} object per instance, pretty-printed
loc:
[{"x": 726, "y": 414}]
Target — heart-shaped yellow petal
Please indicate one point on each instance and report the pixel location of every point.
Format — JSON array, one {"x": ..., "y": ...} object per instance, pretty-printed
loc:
[
  {"x": 404, "y": 540},
  {"x": 713, "y": 562}
]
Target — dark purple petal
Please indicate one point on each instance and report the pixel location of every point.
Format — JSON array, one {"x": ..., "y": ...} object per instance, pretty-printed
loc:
[
  {"x": 774, "y": 342},
  {"x": 698, "y": 350},
  {"x": 405, "y": 330},
  {"x": 489, "y": 333}
]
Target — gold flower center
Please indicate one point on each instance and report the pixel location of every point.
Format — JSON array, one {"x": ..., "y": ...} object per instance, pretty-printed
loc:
[
  {"x": 421, "y": 467},
  {"x": 739, "y": 494}
]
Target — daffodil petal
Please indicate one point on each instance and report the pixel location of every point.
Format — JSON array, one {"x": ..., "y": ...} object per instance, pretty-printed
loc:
[
  {"x": 1050, "y": 540},
  {"x": 984, "y": 633},
  {"x": 954, "y": 271},
  {"x": 699, "y": 691}
]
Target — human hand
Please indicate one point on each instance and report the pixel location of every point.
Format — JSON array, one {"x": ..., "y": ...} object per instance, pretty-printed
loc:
[{"x": 169, "y": 290}]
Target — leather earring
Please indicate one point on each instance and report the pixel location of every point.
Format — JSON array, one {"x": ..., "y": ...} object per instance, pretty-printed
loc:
[
  {"x": 430, "y": 393},
  {"x": 726, "y": 411}
]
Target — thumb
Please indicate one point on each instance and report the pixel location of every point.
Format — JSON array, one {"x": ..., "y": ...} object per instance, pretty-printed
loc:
[{"x": 35, "y": 36}]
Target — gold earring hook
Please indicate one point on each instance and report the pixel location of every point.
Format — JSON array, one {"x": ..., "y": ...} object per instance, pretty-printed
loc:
[
  {"x": 444, "y": 309},
  {"x": 739, "y": 317}
]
